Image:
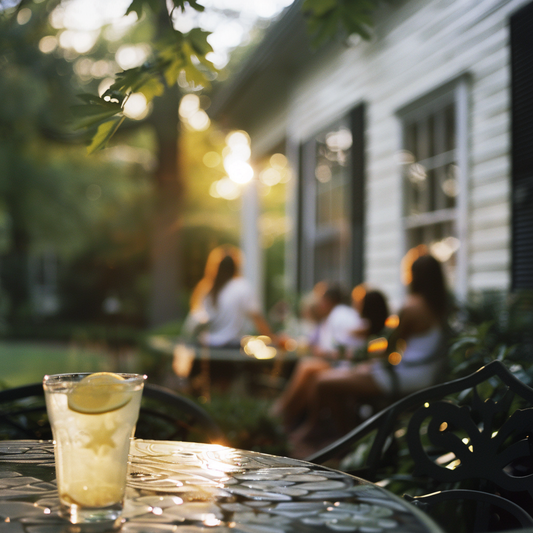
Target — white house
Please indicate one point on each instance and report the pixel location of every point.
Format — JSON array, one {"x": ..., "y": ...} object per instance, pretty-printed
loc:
[{"x": 422, "y": 135}]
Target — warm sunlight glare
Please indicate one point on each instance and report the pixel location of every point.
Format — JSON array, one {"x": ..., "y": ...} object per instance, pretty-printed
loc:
[
  {"x": 189, "y": 105},
  {"x": 136, "y": 107}
]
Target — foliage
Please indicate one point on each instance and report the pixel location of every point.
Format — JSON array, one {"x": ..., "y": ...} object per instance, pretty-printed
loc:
[
  {"x": 176, "y": 52},
  {"x": 329, "y": 18},
  {"x": 56, "y": 202},
  {"x": 245, "y": 422},
  {"x": 495, "y": 326}
]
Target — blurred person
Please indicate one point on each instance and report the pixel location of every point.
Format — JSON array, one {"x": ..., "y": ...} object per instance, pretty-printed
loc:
[
  {"x": 223, "y": 303},
  {"x": 415, "y": 361},
  {"x": 340, "y": 330},
  {"x": 337, "y": 320},
  {"x": 374, "y": 312}
]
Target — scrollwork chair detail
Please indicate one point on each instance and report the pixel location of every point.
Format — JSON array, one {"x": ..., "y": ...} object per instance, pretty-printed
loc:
[{"x": 462, "y": 445}]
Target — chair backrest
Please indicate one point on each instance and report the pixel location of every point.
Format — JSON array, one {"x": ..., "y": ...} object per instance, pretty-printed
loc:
[
  {"x": 475, "y": 432},
  {"x": 164, "y": 415}
]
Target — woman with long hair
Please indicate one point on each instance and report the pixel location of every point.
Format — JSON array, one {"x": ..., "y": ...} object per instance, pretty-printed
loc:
[
  {"x": 415, "y": 361},
  {"x": 224, "y": 303}
]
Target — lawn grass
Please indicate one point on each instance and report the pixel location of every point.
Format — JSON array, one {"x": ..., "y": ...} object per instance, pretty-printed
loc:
[{"x": 27, "y": 362}]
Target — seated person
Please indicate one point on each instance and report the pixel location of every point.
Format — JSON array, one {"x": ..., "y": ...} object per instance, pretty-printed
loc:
[
  {"x": 337, "y": 322},
  {"x": 223, "y": 303},
  {"x": 416, "y": 363},
  {"x": 340, "y": 329},
  {"x": 374, "y": 312}
]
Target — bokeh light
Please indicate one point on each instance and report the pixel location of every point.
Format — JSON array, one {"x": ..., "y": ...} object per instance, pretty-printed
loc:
[
  {"x": 212, "y": 159},
  {"x": 48, "y": 44},
  {"x": 238, "y": 171},
  {"x": 79, "y": 41},
  {"x": 136, "y": 107},
  {"x": 189, "y": 105},
  {"x": 131, "y": 56},
  {"x": 227, "y": 189},
  {"x": 24, "y": 16},
  {"x": 278, "y": 161},
  {"x": 200, "y": 121}
]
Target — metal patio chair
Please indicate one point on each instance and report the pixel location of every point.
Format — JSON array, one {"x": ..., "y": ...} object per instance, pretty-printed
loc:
[
  {"x": 164, "y": 415},
  {"x": 462, "y": 450}
]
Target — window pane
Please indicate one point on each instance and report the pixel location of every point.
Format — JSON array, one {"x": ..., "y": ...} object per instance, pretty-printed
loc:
[
  {"x": 410, "y": 139},
  {"x": 417, "y": 189},
  {"x": 431, "y": 181},
  {"x": 332, "y": 207},
  {"x": 330, "y": 261},
  {"x": 424, "y": 138},
  {"x": 449, "y": 185}
]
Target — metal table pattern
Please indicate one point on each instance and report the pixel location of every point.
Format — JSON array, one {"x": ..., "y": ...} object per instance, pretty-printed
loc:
[{"x": 203, "y": 488}]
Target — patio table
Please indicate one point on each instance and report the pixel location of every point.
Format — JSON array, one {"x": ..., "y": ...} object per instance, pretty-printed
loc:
[{"x": 199, "y": 488}]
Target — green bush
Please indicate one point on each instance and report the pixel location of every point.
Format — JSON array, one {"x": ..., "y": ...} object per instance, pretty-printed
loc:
[
  {"x": 246, "y": 423},
  {"x": 495, "y": 326}
]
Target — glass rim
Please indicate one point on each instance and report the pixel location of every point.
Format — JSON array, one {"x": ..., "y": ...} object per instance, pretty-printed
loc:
[{"x": 74, "y": 377}]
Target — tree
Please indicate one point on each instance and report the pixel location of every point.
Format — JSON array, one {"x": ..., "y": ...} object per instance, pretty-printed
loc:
[
  {"x": 52, "y": 196},
  {"x": 174, "y": 54}
]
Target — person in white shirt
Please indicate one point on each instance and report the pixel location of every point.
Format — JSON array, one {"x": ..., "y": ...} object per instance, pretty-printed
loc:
[
  {"x": 333, "y": 338},
  {"x": 224, "y": 304}
]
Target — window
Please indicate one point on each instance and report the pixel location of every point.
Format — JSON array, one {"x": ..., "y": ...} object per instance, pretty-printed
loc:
[
  {"x": 433, "y": 164},
  {"x": 331, "y": 204}
]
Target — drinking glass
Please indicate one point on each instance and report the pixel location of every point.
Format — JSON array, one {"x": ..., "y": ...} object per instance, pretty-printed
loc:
[{"x": 93, "y": 419}]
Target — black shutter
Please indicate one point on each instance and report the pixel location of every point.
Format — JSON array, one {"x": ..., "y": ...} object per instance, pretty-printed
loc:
[
  {"x": 358, "y": 194},
  {"x": 522, "y": 147}
]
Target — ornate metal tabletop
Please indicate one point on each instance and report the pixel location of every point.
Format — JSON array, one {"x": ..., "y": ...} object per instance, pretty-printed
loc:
[{"x": 199, "y": 488}]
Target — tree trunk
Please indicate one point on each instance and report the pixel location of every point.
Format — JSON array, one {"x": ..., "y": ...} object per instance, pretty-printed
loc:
[{"x": 165, "y": 257}]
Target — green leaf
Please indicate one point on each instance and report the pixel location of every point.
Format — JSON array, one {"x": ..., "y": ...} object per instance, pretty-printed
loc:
[
  {"x": 89, "y": 98},
  {"x": 198, "y": 39},
  {"x": 172, "y": 71},
  {"x": 327, "y": 29},
  {"x": 319, "y": 7},
  {"x": 151, "y": 88},
  {"x": 90, "y": 114},
  {"x": 358, "y": 29},
  {"x": 180, "y": 4},
  {"x": 126, "y": 81},
  {"x": 138, "y": 6},
  {"x": 325, "y": 18},
  {"x": 93, "y": 109},
  {"x": 87, "y": 122},
  {"x": 104, "y": 133}
]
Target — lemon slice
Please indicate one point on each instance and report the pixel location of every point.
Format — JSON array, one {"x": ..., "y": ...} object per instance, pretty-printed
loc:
[{"x": 99, "y": 393}]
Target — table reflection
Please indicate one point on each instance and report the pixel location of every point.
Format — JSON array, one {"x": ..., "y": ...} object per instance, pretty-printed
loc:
[{"x": 195, "y": 488}]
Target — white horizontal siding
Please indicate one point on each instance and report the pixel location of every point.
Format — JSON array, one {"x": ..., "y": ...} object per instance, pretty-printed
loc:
[
  {"x": 495, "y": 280},
  {"x": 489, "y": 261},
  {"x": 486, "y": 239},
  {"x": 491, "y": 170},
  {"x": 418, "y": 47},
  {"x": 490, "y": 194}
]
